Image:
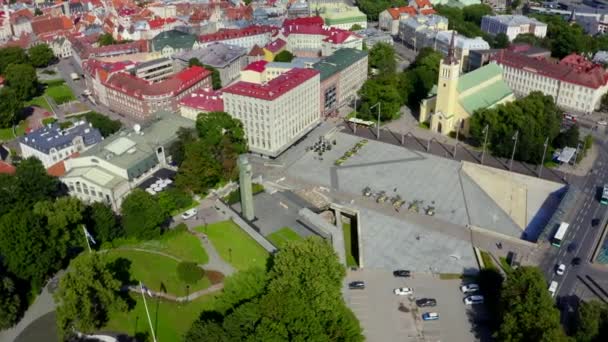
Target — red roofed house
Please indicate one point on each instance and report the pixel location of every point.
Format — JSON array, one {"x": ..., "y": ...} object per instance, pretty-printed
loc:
[
  {"x": 272, "y": 49},
  {"x": 21, "y": 22},
  {"x": 272, "y": 129},
  {"x": 256, "y": 54},
  {"x": 313, "y": 40},
  {"x": 49, "y": 25},
  {"x": 388, "y": 19},
  {"x": 201, "y": 101},
  {"x": 575, "y": 83},
  {"x": 96, "y": 73},
  {"x": 139, "y": 98}
]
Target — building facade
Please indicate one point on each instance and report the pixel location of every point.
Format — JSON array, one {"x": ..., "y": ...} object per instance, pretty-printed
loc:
[
  {"x": 201, "y": 101},
  {"x": 575, "y": 83},
  {"x": 109, "y": 171},
  {"x": 155, "y": 70},
  {"x": 52, "y": 144},
  {"x": 513, "y": 25},
  {"x": 246, "y": 37},
  {"x": 277, "y": 113},
  {"x": 228, "y": 59},
  {"x": 462, "y": 46},
  {"x": 420, "y": 31}
]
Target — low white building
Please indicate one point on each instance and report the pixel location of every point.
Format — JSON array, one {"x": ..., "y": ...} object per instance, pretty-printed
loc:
[
  {"x": 61, "y": 46},
  {"x": 277, "y": 113},
  {"x": 52, "y": 144},
  {"x": 513, "y": 25}
]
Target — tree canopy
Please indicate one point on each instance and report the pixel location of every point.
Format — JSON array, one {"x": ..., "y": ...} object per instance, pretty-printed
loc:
[
  {"x": 373, "y": 7},
  {"x": 535, "y": 117},
  {"x": 142, "y": 216},
  {"x": 591, "y": 322},
  {"x": 284, "y": 56},
  {"x": 528, "y": 310},
  {"x": 104, "y": 124},
  {"x": 106, "y": 39},
  {"x": 10, "y": 107},
  {"x": 86, "y": 294},
  {"x": 300, "y": 300},
  {"x": 11, "y": 55},
  {"x": 22, "y": 79},
  {"x": 41, "y": 55},
  {"x": 102, "y": 223},
  {"x": 10, "y": 303},
  {"x": 382, "y": 58}
]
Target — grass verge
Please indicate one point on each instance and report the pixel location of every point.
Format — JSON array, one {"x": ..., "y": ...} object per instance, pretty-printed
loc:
[
  {"x": 39, "y": 101},
  {"x": 235, "y": 246},
  {"x": 7, "y": 133},
  {"x": 505, "y": 265},
  {"x": 350, "y": 259},
  {"x": 157, "y": 272},
  {"x": 282, "y": 236},
  {"x": 487, "y": 260},
  {"x": 182, "y": 245},
  {"x": 193, "y": 204},
  {"x": 61, "y": 93}
]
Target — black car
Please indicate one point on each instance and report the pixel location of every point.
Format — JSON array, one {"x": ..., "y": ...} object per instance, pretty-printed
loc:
[
  {"x": 356, "y": 285},
  {"x": 595, "y": 222},
  {"x": 576, "y": 261},
  {"x": 424, "y": 302},
  {"x": 401, "y": 273}
]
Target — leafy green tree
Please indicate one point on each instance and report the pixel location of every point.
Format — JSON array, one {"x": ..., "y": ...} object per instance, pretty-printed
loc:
[
  {"x": 102, "y": 223},
  {"x": 567, "y": 138},
  {"x": 501, "y": 41},
  {"x": 10, "y": 107},
  {"x": 421, "y": 76},
  {"x": 225, "y": 137},
  {"x": 200, "y": 170},
  {"x": 604, "y": 103},
  {"x": 383, "y": 91},
  {"x": 63, "y": 218},
  {"x": 142, "y": 216},
  {"x": 32, "y": 182},
  {"x": 382, "y": 58},
  {"x": 194, "y": 62},
  {"x": 189, "y": 272},
  {"x": 528, "y": 311},
  {"x": 474, "y": 13},
  {"x": 22, "y": 79},
  {"x": 515, "y": 4},
  {"x": 241, "y": 287},
  {"x": 373, "y": 7},
  {"x": 529, "y": 38},
  {"x": 284, "y": 56},
  {"x": 106, "y": 39},
  {"x": 10, "y": 303},
  {"x": 104, "y": 124},
  {"x": 41, "y": 55},
  {"x": 173, "y": 199},
  {"x": 465, "y": 25},
  {"x": 356, "y": 27},
  {"x": 591, "y": 317},
  {"x": 11, "y": 55},
  {"x": 87, "y": 293},
  {"x": 177, "y": 150}
]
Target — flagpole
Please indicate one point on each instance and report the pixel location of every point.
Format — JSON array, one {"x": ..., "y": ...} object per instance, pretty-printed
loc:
[
  {"x": 86, "y": 238},
  {"x": 141, "y": 287}
]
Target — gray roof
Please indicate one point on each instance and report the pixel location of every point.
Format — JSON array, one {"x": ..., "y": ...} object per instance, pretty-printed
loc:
[
  {"x": 218, "y": 55},
  {"x": 52, "y": 136},
  {"x": 515, "y": 20},
  {"x": 150, "y": 63}
]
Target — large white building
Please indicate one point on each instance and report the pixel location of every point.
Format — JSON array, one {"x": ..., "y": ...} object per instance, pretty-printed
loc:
[
  {"x": 247, "y": 37},
  {"x": 276, "y": 113},
  {"x": 575, "y": 83},
  {"x": 52, "y": 144},
  {"x": 513, "y": 25}
]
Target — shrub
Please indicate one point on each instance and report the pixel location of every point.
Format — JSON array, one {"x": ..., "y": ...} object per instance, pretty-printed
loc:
[
  {"x": 189, "y": 272},
  {"x": 215, "y": 277}
]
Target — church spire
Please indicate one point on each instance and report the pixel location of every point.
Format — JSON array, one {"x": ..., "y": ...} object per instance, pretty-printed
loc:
[{"x": 450, "y": 58}]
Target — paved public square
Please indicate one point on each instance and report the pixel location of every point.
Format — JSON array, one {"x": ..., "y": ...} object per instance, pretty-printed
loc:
[{"x": 377, "y": 308}]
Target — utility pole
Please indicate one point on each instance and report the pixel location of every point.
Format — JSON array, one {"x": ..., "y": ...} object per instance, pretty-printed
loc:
[
  {"x": 354, "y": 123},
  {"x": 485, "y": 141},
  {"x": 458, "y": 123},
  {"x": 379, "y": 104},
  {"x": 515, "y": 137},
  {"x": 542, "y": 161}
]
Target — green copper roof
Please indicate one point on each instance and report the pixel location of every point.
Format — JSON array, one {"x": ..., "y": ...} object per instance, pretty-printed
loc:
[
  {"x": 173, "y": 38},
  {"x": 487, "y": 97},
  {"x": 478, "y": 76},
  {"x": 340, "y": 60}
]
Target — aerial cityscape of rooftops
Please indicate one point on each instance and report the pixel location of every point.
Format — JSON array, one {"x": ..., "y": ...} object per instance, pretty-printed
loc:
[{"x": 318, "y": 170}]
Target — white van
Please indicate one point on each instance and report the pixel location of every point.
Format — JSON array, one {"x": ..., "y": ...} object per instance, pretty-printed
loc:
[{"x": 553, "y": 288}]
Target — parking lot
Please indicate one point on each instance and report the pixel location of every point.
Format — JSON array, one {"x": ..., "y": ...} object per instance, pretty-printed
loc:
[{"x": 377, "y": 308}]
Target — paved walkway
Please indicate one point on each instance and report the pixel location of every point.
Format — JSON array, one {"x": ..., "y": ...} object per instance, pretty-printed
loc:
[{"x": 168, "y": 296}]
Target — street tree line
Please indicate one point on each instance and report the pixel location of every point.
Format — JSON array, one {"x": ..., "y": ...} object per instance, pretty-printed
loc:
[{"x": 17, "y": 67}]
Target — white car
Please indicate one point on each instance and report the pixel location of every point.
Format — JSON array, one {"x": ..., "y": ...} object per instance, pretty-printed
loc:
[
  {"x": 469, "y": 288},
  {"x": 602, "y": 122},
  {"x": 553, "y": 288},
  {"x": 403, "y": 291},
  {"x": 189, "y": 213},
  {"x": 560, "y": 269},
  {"x": 475, "y": 299}
]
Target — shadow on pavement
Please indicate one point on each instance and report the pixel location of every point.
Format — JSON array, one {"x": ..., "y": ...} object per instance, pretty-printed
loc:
[{"x": 42, "y": 329}]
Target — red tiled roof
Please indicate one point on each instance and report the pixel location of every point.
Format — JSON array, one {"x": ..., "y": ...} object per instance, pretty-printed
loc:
[
  {"x": 157, "y": 23},
  {"x": 428, "y": 11},
  {"x": 45, "y": 24},
  {"x": 304, "y": 21},
  {"x": 205, "y": 100},
  {"x": 276, "y": 46},
  {"x": 104, "y": 69},
  {"x": 423, "y": 3},
  {"x": 338, "y": 37},
  {"x": 256, "y": 51},
  {"x": 396, "y": 12},
  {"x": 138, "y": 87},
  {"x": 238, "y": 13},
  {"x": 258, "y": 66},
  {"x": 7, "y": 168},
  {"x": 235, "y": 33},
  {"x": 275, "y": 87},
  {"x": 583, "y": 74},
  {"x": 23, "y": 13}
]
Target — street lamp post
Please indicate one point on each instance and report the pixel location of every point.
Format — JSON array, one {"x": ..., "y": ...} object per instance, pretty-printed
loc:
[
  {"x": 354, "y": 123},
  {"x": 485, "y": 141},
  {"x": 379, "y": 104},
  {"x": 458, "y": 123},
  {"x": 515, "y": 137},
  {"x": 542, "y": 161}
]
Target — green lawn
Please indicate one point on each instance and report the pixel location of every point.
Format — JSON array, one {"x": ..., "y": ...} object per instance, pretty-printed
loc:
[
  {"x": 487, "y": 260},
  {"x": 39, "y": 101},
  {"x": 171, "y": 320},
  {"x": 154, "y": 270},
  {"x": 235, "y": 246},
  {"x": 7, "y": 133},
  {"x": 182, "y": 245},
  {"x": 193, "y": 204},
  {"x": 281, "y": 236},
  {"x": 61, "y": 93},
  {"x": 505, "y": 265},
  {"x": 350, "y": 259}
]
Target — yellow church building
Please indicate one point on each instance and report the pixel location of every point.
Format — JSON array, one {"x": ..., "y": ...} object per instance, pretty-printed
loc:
[{"x": 455, "y": 97}]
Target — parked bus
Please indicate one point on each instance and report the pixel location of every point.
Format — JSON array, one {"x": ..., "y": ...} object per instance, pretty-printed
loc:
[
  {"x": 604, "y": 199},
  {"x": 362, "y": 122},
  {"x": 560, "y": 234}
]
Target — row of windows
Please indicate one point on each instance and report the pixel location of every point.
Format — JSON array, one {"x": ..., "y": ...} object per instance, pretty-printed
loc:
[{"x": 82, "y": 188}]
